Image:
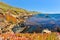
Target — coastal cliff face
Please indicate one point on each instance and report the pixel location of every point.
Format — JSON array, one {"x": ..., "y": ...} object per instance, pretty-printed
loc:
[
  {"x": 11, "y": 16},
  {"x": 13, "y": 19}
]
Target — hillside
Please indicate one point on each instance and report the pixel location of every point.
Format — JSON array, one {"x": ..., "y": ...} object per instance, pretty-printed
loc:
[
  {"x": 5, "y": 7},
  {"x": 11, "y": 16}
]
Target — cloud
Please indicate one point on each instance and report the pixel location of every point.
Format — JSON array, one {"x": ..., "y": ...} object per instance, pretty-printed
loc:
[{"x": 49, "y": 12}]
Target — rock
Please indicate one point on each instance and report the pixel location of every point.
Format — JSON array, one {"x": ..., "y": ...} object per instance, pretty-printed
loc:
[{"x": 18, "y": 28}]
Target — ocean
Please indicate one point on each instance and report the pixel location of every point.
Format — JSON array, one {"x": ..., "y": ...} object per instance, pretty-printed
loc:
[{"x": 43, "y": 21}]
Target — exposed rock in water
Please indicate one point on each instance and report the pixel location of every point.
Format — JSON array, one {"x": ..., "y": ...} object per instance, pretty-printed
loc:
[{"x": 18, "y": 28}]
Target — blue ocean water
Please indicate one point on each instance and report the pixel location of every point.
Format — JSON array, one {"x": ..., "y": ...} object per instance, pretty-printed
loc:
[{"x": 49, "y": 21}]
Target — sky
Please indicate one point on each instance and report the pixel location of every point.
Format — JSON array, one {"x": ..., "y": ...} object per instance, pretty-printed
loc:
[{"x": 45, "y": 6}]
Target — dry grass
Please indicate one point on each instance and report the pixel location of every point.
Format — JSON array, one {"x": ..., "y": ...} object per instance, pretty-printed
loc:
[{"x": 28, "y": 36}]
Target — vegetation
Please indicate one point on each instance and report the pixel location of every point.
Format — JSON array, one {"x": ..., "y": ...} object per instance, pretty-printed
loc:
[{"x": 27, "y": 36}]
